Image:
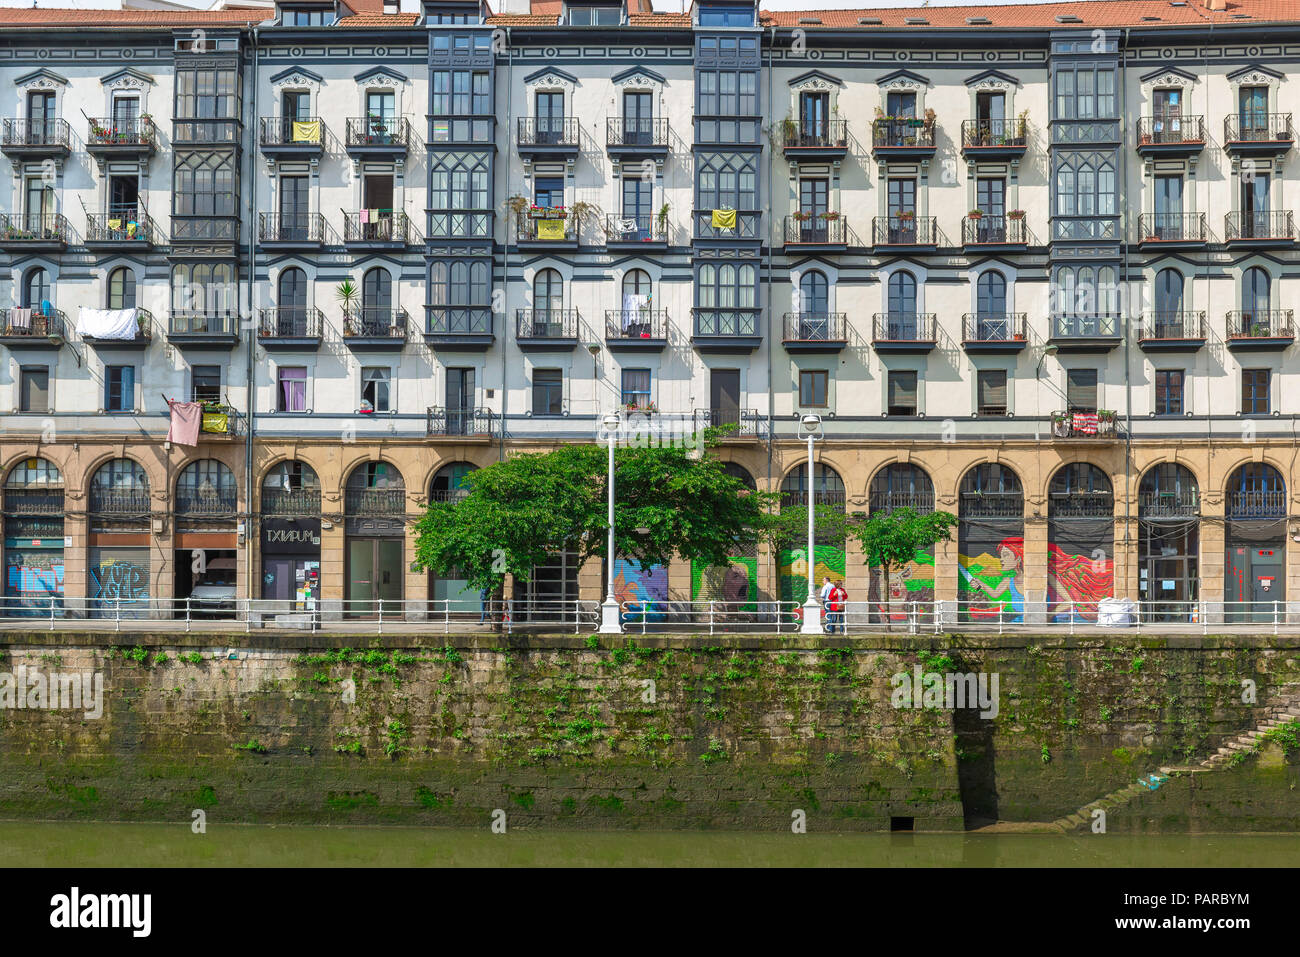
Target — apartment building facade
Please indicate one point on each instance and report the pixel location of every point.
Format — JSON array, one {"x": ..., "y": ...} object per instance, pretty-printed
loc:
[{"x": 1031, "y": 265}]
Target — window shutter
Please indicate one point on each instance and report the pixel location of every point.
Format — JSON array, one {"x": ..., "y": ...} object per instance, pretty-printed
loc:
[
  {"x": 902, "y": 389},
  {"x": 994, "y": 384},
  {"x": 1081, "y": 389}
]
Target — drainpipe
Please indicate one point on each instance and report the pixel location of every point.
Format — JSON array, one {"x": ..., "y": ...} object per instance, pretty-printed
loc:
[
  {"x": 250, "y": 573},
  {"x": 767, "y": 340},
  {"x": 505, "y": 263},
  {"x": 1128, "y": 335}
]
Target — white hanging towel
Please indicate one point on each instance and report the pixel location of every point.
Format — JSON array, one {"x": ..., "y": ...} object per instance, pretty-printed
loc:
[{"x": 107, "y": 323}]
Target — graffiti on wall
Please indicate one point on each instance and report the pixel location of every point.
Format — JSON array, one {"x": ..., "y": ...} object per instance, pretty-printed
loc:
[
  {"x": 907, "y": 583},
  {"x": 1075, "y": 583},
  {"x": 792, "y": 569},
  {"x": 736, "y": 581},
  {"x": 640, "y": 588},
  {"x": 120, "y": 585},
  {"x": 32, "y": 579},
  {"x": 990, "y": 582}
]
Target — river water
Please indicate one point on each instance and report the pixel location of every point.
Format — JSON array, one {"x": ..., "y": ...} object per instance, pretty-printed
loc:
[{"x": 167, "y": 845}]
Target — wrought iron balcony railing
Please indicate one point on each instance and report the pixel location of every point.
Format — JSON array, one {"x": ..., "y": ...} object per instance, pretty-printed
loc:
[
  {"x": 1258, "y": 127},
  {"x": 902, "y": 133},
  {"x": 1006, "y": 230},
  {"x": 125, "y": 132},
  {"x": 50, "y": 132},
  {"x": 129, "y": 227},
  {"x": 827, "y": 134},
  {"x": 290, "y": 322},
  {"x": 798, "y": 498},
  {"x": 34, "y": 228},
  {"x": 815, "y": 327},
  {"x": 903, "y": 327},
  {"x": 46, "y": 501},
  {"x": 374, "y": 502},
  {"x": 1084, "y": 424},
  {"x": 1080, "y": 504},
  {"x": 290, "y": 228},
  {"x": 1276, "y": 225},
  {"x": 375, "y": 323},
  {"x": 1267, "y": 503},
  {"x": 745, "y": 423},
  {"x": 1172, "y": 227},
  {"x": 992, "y": 505},
  {"x": 1171, "y": 325},
  {"x": 916, "y": 500},
  {"x": 976, "y": 134},
  {"x": 636, "y": 228},
  {"x": 302, "y": 502},
  {"x": 994, "y": 327},
  {"x": 547, "y": 131},
  {"x": 206, "y": 502},
  {"x": 381, "y": 132},
  {"x": 904, "y": 230},
  {"x": 291, "y": 131},
  {"x": 636, "y": 324},
  {"x": 128, "y": 503},
  {"x": 1170, "y": 129},
  {"x": 529, "y": 229},
  {"x": 443, "y": 421},
  {"x": 31, "y": 323},
  {"x": 1260, "y": 324},
  {"x": 636, "y": 131},
  {"x": 823, "y": 229},
  {"x": 1183, "y": 503},
  {"x": 386, "y": 226},
  {"x": 541, "y": 324}
]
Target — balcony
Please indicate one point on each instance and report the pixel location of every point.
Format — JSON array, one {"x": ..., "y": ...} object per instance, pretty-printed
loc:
[
  {"x": 1172, "y": 230},
  {"x": 205, "y": 503},
  {"x": 118, "y": 229},
  {"x": 48, "y": 232},
  {"x": 1083, "y": 424},
  {"x": 986, "y": 233},
  {"x": 538, "y": 330},
  {"x": 1004, "y": 333},
  {"x": 461, "y": 223},
  {"x": 726, "y": 330},
  {"x": 992, "y": 505},
  {"x": 24, "y": 329},
  {"x": 368, "y": 229},
  {"x": 1263, "y": 330},
  {"x": 44, "y": 502},
  {"x": 283, "y": 137},
  {"x": 375, "y": 330},
  {"x": 908, "y": 333},
  {"x": 798, "y": 498},
  {"x": 823, "y": 232},
  {"x": 143, "y": 335},
  {"x": 904, "y": 232},
  {"x": 187, "y": 131},
  {"x": 815, "y": 332},
  {"x": 1171, "y": 332},
  {"x": 629, "y": 137},
  {"x": 291, "y": 502},
  {"x": 828, "y": 139},
  {"x": 458, "y": 423},
  {"x": 994, "y": 139},
  {"x": 374, "y": 502},
  {"x": 459, "y": 328},
  {"x": 1256, "y": 503},
  {"x": 636, "y": 330},
  {"x": 640, "y": 231},
  {"x": 1257, "y": 134},
  {"x": 745, "y": 425},
  {"x": 203, "y": 330},
  {"x": 902, "y": 137},
  {"x": 1183, "y": 503},
  {"x": 120, "y": 504},
  {"x": 887, "y": 501},
  {"x": 290, "y": 328},
  {"x": 1259, "y": 230},
  {"x": 718, "y": 224},
  {"x": 1170, "y": 135},
  {"x": 294, "y": 231},
  {"x": 553, "y": 229},
  {"x": 376, "y": 137},
  {"x": 109, "y": 139},
  {"x": 205, "y": 229},
  {"x": 1080, "y": 503},
  {"x": 35, "y": 139},
  {"x": 547, "y": 136},
  {"x": 1096, "y": 332}
]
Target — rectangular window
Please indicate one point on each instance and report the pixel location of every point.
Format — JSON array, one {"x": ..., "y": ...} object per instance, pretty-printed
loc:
[
  {"x": 205, "y": 384},
  {"x": 207, "y": 94},
  {"x": 306, "y": 17},
  {"x": 119, "y": 388},
  {"x": 1254, "y": 391},
  {"x": 582, "y": 16},
  {"x": 292, "y": 392},
  {"x": 548, "y": 392},
  {"x": 34, "y": 389},
  {"x": 901, "y": 393},
  {"x": 991, "y": 386},
  {"x": 813, "y": 388},
  {"x": 720, "y": 16},
  {"x": 375, "y": 385},
  {"x": 1169, "y": 392},
  {"x": 636, "y": 387},
  {"x": 1081, "y": 390}
]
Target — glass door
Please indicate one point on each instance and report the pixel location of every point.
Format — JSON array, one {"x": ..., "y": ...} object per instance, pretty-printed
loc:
[
  {"x": 550, "y": 117},
  {"x": 1169, "y": 207},
  {"x": 40, "y": 118},
  {"x": 724, "y": 396},
  {"x": 381, "y": 117},
  {"x": 1166, "y": 116},
  {"x": 460, "y": 401},
  {"x": 1253, "y": 102},
  {"x": 636, "y": 207},
  {"x": 638, "y": 119},
  {"x": 813, "y": 116},
  {"x": 813, "y": 199},
  {"x": 902, "y": 211},
  {"x": 991, "y": 200},
  {"x": 293, "y": 208}
]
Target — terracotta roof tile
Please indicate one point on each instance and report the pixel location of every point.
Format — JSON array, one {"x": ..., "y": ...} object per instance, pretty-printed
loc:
[
  {"x": 1091, "y": 13},
  {"x": 659, "y": 19},
  {"x": 380, "y": 20},
  {"x": 147, "y": 19},
  {"x": 524, "y": 20}
]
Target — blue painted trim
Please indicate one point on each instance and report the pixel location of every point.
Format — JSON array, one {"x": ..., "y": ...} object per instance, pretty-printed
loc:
[
  {"x": 128, "y": 71},
  {"x": 637, "y": 71},
  {"x": 1168, "y": 69},
  {"x": 550, "y": 69},
  {"x": 820, "y": 75},
  {"x": 381, "y": 71},
  {"x": 296, "y": 69},
  {"x": 42, "y": 72},
  {"x": 1251, "y": 69},
  {"x": 902, "y": 73},
  {"x": 972, "y": 80}
]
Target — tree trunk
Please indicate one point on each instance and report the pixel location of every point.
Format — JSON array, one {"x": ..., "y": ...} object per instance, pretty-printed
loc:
[{"x": 884, "y": 593}]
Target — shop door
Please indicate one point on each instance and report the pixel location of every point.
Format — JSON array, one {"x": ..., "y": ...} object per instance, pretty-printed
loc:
[
  {"x": 374, "y": 575},
  {"x": 277, "y": 579}
]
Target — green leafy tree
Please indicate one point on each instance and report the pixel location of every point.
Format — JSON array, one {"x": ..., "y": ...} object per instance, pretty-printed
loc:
[
  {"x": 667, "y": 503},
  {"x": 892, "y": 539}
]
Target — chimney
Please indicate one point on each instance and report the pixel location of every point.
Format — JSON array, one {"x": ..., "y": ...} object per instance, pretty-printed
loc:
[{"x": 1216, "y": 5}]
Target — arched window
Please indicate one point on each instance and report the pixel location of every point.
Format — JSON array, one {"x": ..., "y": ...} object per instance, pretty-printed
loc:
[
  {"x": 901, "y": 486},
  {"x": 120, "y": 486},
  {"x": 1256, "y": 296},
  {"x": 991, "y": 297},
  {"x": 1256, "y": 490},
  {"x": 377, "y": 301},
  {"x": 34, "y": 473},
  {"x": 121, "y": 288},
  {"x": 827, "y": 487},
  {"x": 206, "y": 487},
  {"x": 1169, "y": 295},
  {"x": 739, "y": 472},
  {"x": 636, "y": 283},
  {"x": 36, "y": 289},
  {"x": 291, "y": 488},
  {"x": 448, "y": 482},
  {"x": 902, "y": 295},
  {"x": 34, "y": 487},
  {"x": 1080, "y": 490},
  {"x": 814, "y": 294},
  {"x": 548, "y": 295},
  {"x": 1168, "y": 490},
  {"x": 293, "y": 291},
  {"x": 375, "y": 488},
  {"x": 992, "y": 491}
]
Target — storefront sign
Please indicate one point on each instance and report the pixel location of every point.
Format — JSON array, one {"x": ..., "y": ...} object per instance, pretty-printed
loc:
[{"x": 290, "y": 536}]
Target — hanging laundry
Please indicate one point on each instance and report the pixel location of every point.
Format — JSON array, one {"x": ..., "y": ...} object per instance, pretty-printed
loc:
[
  {"x": 724, "y": 219},
  {"x": 185, "y": 420},
  {"x": 550, "y": 229},
  {"x": 114, "y": 224},
  {"x": 1086, "y": 422},
  {"x": 306, "y": 131},
  {"x": 365, "y": 216}
]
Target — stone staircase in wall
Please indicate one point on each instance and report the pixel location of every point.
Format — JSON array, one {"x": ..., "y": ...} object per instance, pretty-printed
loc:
[{"x": 1284, "y": 713}]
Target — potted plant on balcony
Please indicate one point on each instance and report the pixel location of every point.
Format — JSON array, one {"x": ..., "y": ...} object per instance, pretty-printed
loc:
[
  {"x": 799, "y": 216},
  {"x": 905, "y": 215},
  {"x": 976, "y": 214},
  {"x": 830, "y": 217},
  {"x": 1016, "y": 214},
  {"x": 1061, "y": 422},
  {"x": 348, "y": 296},
  {"x": 789, "y": 130},
  {"x": 98, "y": 132},
  {"x": 662, "y": 220}
]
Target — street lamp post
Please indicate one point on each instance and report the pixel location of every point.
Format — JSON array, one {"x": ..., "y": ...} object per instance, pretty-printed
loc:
[
  {"x": 810, "y": 426},
  {"x": 610, "y": 620}
]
